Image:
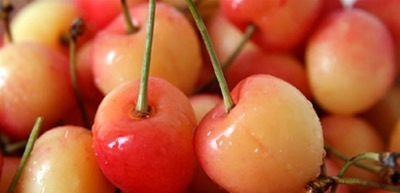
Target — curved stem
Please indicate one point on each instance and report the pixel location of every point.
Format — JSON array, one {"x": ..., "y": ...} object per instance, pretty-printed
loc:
[
  {"x": 360, "y": 182},
  {"x": 368, "y": 167},
  {"x": 142, "y": 105},
  {"x": 130, "y": 28},
  {"x": 228, "y": 101},
  {"x": 364, "y": 156},
  {"x": 28, "y": 149},
  {"x": 246, "y": 37},
  {"x": 5, "y": 10},
  {"x": 77, "y": 29}
]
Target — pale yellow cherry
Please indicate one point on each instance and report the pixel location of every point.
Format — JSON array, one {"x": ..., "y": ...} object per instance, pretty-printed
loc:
[
  {"x": 350, "y": 62},
  {"x": 45, "y": 22},
  {"x": 63, "y": 161},
  {"x": 34, "y": 81},
  {"x": 176, "y": 56},
  {"x": 270, "y": 142}
]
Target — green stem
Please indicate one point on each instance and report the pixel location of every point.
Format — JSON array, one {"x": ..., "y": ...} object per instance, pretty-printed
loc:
[
  {"x": 360, "y": 182},
  {"x": 11, "y": 148},
  {"x": 228, "y": 101},
  {"x": 130, "y": 28},
  {"x": 142, "y": 104},
  {"x": 28, "y": 149},
  {"x": 368, "y": 167},
  {"x": 364, "y": 156},
  {"x": 246, "y": 37},
  {"x": 5, "y": 10},
  {"x": 77, "y": 29}
]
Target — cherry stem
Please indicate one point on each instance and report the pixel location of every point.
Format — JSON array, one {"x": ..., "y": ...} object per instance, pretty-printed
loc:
[
  {"x": 353, "y": 160},
  {"x": 228, "y": 101},
  {"x": 77, "y": 29},
  {"x": 142, "y": 105},
  {"x": 128, "y": 20},
  {"x": 5, "y": 10},
  {"x": 13, "y": 147},
  {"x": 28, "y": 149},
  {"x": 246, "y": 37},
  {"x": 338, "y": 154},
  {"x": 360, "y": 182},
  {"x": 388, "y": 160}
]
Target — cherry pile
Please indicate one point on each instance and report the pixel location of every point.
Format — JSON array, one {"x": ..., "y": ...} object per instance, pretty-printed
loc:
[{"x": 199, "y": 96}]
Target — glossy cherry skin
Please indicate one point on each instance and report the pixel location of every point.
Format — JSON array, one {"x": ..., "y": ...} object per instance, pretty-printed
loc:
[
  {"x": 98, "y": 14},
  {"x": 34, "y": 81},
  {"x": 176, "y": 56},
  {"x": 153, "y": 154},
  {"x": 62, "y": 161},
  {"x": 271, "y": 135}
]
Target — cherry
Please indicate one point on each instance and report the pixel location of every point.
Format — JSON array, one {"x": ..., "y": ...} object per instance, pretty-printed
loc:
[
  {"x": 259, "y": 126},
  {"x": 133, "y": 129},
  {"x": 156, "y": 151},
  {"x": 282, "y": 25},
  {"x": 260, "y": 136},
  {"x": 37, "y": 82},
  {"x": 117, "y": 56},
  {"x": 98, "y": 14},
  {"x": 348, "y": 70},
  {"x": 44, "y": 22},
  {"x": 77, "y": 171}
]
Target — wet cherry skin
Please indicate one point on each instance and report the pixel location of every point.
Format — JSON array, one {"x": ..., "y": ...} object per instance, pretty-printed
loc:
[
  {"x": 152, "y": 154},
  {"x": 271, "y": 135}
]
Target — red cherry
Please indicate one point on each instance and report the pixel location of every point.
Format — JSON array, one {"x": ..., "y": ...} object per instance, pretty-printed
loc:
[
  {"x": 151, "y": 154},
  {"x": 99, "y": 13},
  {"x": 281, "y": 24}
]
